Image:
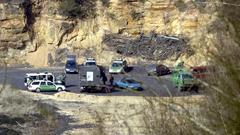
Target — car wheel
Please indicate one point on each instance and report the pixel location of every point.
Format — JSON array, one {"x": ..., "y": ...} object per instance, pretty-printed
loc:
[
  {"x": 59, "y": 89},
  {"x": 195, "y": 88},
  {"x": 38, "y": 90}
]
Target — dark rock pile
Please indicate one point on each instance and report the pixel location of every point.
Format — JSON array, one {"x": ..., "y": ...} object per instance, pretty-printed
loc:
[{"x": 152, "y": 47}]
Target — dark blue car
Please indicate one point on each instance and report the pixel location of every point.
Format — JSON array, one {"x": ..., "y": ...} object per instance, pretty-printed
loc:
[
  {"x": 71, "y": 67},
  {"x": 128, "y": 83}
]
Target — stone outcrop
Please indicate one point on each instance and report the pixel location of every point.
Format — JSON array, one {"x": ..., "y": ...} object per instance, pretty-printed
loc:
[{"x": 33, "y": 28}]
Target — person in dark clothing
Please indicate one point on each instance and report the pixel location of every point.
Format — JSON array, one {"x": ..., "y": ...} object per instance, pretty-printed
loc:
[
  {"x": 104, "y": 77},
  {"x": 111, "y": 79}
]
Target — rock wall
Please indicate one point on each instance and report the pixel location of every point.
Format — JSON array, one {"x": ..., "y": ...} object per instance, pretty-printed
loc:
[{"x": 37, "y": 29}]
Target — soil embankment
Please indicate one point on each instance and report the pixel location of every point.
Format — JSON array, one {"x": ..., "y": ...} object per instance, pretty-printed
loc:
[
  {"x": 91, "y": 114},
  {"x": 19, "y": 114}
]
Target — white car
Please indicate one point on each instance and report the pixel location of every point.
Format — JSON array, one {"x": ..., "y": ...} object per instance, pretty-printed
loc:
[
  {"x": 90, "y": 62},
  {"x": 45, "y": 86},
  {"x": 118, "y": 66}
]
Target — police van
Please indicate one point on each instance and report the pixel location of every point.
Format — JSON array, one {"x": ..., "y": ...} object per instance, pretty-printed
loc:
[{"x": 30, "y": 77}]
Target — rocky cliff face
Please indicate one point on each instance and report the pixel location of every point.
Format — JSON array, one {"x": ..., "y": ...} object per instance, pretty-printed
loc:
[{"x": 42, "y": 32}]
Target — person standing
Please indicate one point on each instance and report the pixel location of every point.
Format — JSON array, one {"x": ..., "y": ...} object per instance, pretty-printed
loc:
[
  {"x": 104, "y": 77},
  {"x": 111, "y": 80}
]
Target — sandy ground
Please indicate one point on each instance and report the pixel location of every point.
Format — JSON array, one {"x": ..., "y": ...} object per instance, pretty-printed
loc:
[
  {"x": 106, "y": 114},
  {"x": 38, "y": 58}
]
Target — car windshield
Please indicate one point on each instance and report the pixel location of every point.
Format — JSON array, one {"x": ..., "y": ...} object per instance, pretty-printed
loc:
[
  {"x": 33, "y": 77},
  {"x": 187, "y": 76},
  {"x": 130, "y": 81},
  {"x": 162, "y": 67},
  {"x": 90, "y": 63},
  {"x": 71, "y": 64},
  {"x": 203, "y": 70},
  {"x": 151, "y": 67},
  {"x": 116, "y": 64}
]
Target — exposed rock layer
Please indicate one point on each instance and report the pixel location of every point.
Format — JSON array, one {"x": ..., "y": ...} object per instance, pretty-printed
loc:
[{"x": 34, "y": 29}]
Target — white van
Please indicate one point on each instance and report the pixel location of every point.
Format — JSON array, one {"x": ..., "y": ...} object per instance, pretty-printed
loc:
[{"x": 29, "y": 77}]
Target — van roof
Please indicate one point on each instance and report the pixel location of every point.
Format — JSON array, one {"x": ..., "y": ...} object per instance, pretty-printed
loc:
[
  {"x": 90, "y": 59},
  {"x": 36, "y": 74},
  {"x": 117, "y": 61}
]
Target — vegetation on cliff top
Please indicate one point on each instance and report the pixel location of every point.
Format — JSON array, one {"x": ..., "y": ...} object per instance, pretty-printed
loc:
[{"x": 78, "y": 9}]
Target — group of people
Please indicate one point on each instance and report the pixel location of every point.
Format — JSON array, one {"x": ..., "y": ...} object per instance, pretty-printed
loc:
[{"x": 105, "y": 79}]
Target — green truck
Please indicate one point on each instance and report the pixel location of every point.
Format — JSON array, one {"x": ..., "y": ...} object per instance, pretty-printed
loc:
[{"x": 184, "y": 81}]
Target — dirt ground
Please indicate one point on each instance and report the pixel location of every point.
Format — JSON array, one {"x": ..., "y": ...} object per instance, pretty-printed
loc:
[
  {"x": 111, "y": 115},
  {"x": 19, "y": 114}
]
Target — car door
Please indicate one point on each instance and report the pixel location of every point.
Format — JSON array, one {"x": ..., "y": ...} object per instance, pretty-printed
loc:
[
  {"x": 43, "y": 86},
  {"x": 175, "y": 78},
  {"x": 51, "y": 86},
  {"x": 122, "y": 83}
]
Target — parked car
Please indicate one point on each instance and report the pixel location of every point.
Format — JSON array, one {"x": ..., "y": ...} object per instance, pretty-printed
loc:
[
  {"x": 158, "y": 70},
  {"x": 128, "y": 83},
  {"x": 151, "y": 69},
  {"x": 163, "y": 70},
  {"x": 90, "y": 62},
  {"x": 39, "y": 86},
  {"x": 184, "y": 80},
  {"x": 201, "y": 72},
  {"x": 71, "y": 64},
  {"x": 118, "y": 66}
]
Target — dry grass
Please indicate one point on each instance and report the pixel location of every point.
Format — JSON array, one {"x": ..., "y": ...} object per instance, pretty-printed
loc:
[{"x": 36, "y": 118}]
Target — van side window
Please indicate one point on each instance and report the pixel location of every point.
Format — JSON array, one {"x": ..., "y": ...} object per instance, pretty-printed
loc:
[
  {"x": 35, "y": 83},
  {"x": 49, "y": 83},
  {"x": 43, "y": 83},
  {"x": 42, "y": 77},
  {"x": 50, "y": 78}
]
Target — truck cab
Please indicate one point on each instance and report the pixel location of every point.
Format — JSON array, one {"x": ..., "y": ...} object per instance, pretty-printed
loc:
[{"x": 184, "y": 80}]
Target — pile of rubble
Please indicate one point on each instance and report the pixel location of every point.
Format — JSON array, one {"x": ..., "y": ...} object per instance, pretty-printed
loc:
[{"x": 152, "y": 47}]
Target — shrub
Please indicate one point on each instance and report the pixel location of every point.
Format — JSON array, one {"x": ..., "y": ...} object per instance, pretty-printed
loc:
[
  {"x": 136, "y": 15},
  {"x": 81, "y": 9},
  {"x": 105, "y": 3}
]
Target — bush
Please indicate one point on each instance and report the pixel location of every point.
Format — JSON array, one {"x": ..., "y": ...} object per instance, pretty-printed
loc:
[
  {"x": 105, "y": 3},
  {"x": 81, "y": 9},
  {"x": 136, "y": 15}
]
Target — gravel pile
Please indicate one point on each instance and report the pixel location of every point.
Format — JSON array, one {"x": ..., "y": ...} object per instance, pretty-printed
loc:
[{"x": 152, "y": 47}]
